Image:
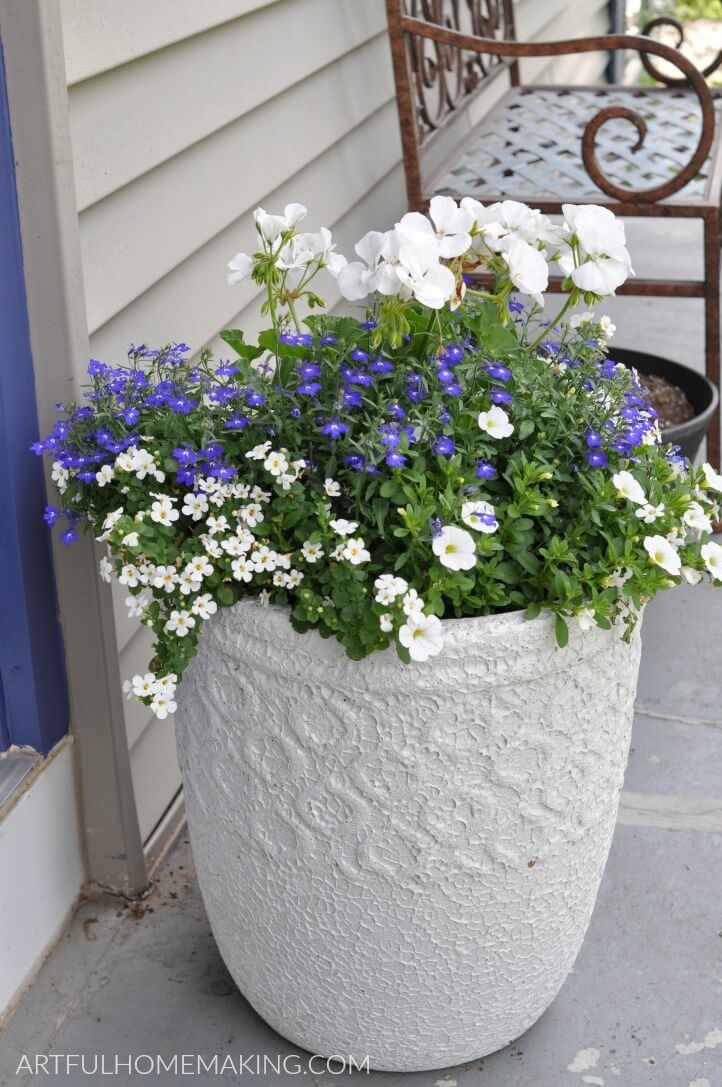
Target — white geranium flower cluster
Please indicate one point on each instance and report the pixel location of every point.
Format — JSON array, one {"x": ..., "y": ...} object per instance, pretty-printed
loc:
[{"x": 425, "y": 257}]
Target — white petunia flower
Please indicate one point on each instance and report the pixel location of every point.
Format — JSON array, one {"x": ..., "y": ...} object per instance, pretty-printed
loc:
[
  {"x": 106, "y": 569},
  {"x": 204, "y": 606},
  {"x": 386, "y": 622},
  {"x": 180, "y": 623},
  {"x": 355, "y": 551},
  {"x": 495, "y": 423},
  {"x": 455, "y": 548},
  {"x": 690, "y": 575},
  {"x": 649, "y": 513},
  {"x": 586, "y": 618},
  {"x": 311, "y": 552},
  {"x": 695, "y": 518},
  {"x": 712, "y": 554},
  {"x": 662, "y": 553},
  {"x": 331, "y": 487},
  {"x": 628, "y": 487},
  {"x": 423, "y": 636},
  {"x": 342, "y": 527},
  {"x": 712, "y": 478},
  {"x": 480, "y": 516}
]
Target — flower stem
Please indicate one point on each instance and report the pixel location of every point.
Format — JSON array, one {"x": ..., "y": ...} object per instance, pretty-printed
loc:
[{"x": 567, "y": 305}]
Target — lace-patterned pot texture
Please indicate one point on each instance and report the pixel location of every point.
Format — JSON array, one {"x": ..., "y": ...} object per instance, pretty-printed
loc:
[{"x": 401, "y": 863}]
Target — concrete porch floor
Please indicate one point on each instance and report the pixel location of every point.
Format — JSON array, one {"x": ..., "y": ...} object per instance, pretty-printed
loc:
[{"x": 643, "y": 1005}]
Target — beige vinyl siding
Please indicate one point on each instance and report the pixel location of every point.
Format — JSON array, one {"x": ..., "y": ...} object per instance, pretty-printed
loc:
[{"x": 184, "y": 116}]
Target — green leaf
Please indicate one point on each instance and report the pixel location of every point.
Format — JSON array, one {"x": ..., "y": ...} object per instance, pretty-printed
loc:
[
  {"x": 234, "y": 338},
  {"x": 561, "y": 630}
]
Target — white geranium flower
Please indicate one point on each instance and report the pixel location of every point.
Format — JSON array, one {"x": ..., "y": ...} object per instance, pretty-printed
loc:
[
  {"x": 605, "y": 262},
  {"x": 239, "y": 268},
  {"x": 695, "y": 518},
  {"x": 379, "y": 252},
  {"x": 449, "y": 234},
  {"x": 712, "y": 554},
  {"x": 506, "y": 219},
  {"x": 355, "y": 551},
  {"x": 662, "y": 553},
  {"x": 271, "y": 226},
  {"x": 342, "y": 527},
  {"x": 312, "y": 552},
  {"x": 649, "y": 513},
  {"x": 712, "y": 478},
  {"x": 528, "y": 269},
  {"x": 431, "y": 283},
  {"x": 302, "y": 250},
  {"x": 423, "y": 636},
  {"x": 455, "y": 548},
  {"x": 386, "y": 622},
  {"x": 495, "y": 423},
  {"x": 628, "y": 487},
  {"x": 204, "y": 606},
  {"x": 480, "y": 516}
]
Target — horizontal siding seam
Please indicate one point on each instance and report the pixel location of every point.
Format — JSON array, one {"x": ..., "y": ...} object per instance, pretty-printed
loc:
[{"x": 92, "y": 330}]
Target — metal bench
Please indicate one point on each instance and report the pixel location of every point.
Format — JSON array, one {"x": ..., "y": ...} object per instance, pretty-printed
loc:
[{"x": 549, "y": 145}]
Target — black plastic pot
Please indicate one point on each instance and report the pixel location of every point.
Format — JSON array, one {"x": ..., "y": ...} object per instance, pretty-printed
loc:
[{"x": 699, "y": 390}]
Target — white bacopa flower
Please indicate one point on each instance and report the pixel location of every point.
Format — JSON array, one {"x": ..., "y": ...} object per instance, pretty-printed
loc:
[
  {"x": 311, "y": 552},
  {"x": 166, "y": 577},
  {"x": 712, "y": 478},
  {"x": 60, "y": 476},
  {"x": 586, "y": 618},
  {"x": 431, "y": 283},
  {"x": 579, "y": 319},
  {"x": 195, "y": 506},
  {"x": 649, "y": 513},
  {"x": 608, "y": 329},
  {"x": 105, "y": 569},
  {"x": 188, "y": 582},
  {"x": 136, "y": 605},
  {"x": 204, "y": 606},
  {"x": 146, "y": 573},
  {"x": 455, "y": 548},
  {"x": 695, "y": 518},
  {"x": 217, "y": 524},
  {"x": 423, "y": 636},
  {"x": 331, "y": 487},
  {"x": 294, "y": 578},
  {"x": 129, "y": 576},
  {"x": 342, "y": 527},
  {"x": 275, "y": 463},
  {"x": 258, "y": 452},
  {"x": 163, "y": 512},
  {"x": 252, "y": 514},
  {"x": 239, "y": 268},
  {"x": 386, "y": 622},
  {"x": 662, "y": 553},
  {"x": 355, "y": 551},
  {"x": 605, "y": 262},
  {"x": 480, "y": 516},
  {"x": 105, "y": 475},
  {"x": 143, "y": 685},
  {"x": 412, "y": 603},
  {"x": 263, "y": 559},
  {"x": 162, "y": 705},
  {"x": 389, "y": 587},
  {"x": 448, "y": 236},
  {"x": 628, "y": 487},
  {"x": 131, "y": 539},
  {"x": 495, "y": 423},
  {"x": 712, "y": 555},
  {"x": 180, "y": 623},
  {"x": 142, "y": 462},
  {"x": 234, "y": 546},
  {"x": 199, "y": 566},
  {"x": 242, "y": 569},
  {"x": 528, "y": 269}
]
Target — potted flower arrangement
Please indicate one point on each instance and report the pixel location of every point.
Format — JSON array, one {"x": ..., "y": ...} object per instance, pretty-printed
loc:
[{"x": 419, "y": 544}]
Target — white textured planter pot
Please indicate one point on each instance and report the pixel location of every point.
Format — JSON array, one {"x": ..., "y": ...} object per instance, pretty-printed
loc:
[{"x": 397, "y": 861}]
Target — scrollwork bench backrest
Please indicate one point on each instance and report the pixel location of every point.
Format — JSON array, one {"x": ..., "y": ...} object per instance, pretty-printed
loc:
[{"x": 446, "y": 52}]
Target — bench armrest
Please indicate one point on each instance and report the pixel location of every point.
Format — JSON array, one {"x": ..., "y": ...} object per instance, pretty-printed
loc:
[
  {"x": 648, "y": 65},
  {"x": 693, "y": 78}
]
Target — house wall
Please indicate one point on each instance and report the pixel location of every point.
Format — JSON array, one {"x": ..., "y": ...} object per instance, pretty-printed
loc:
[{"x": 183, "y": 118}]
